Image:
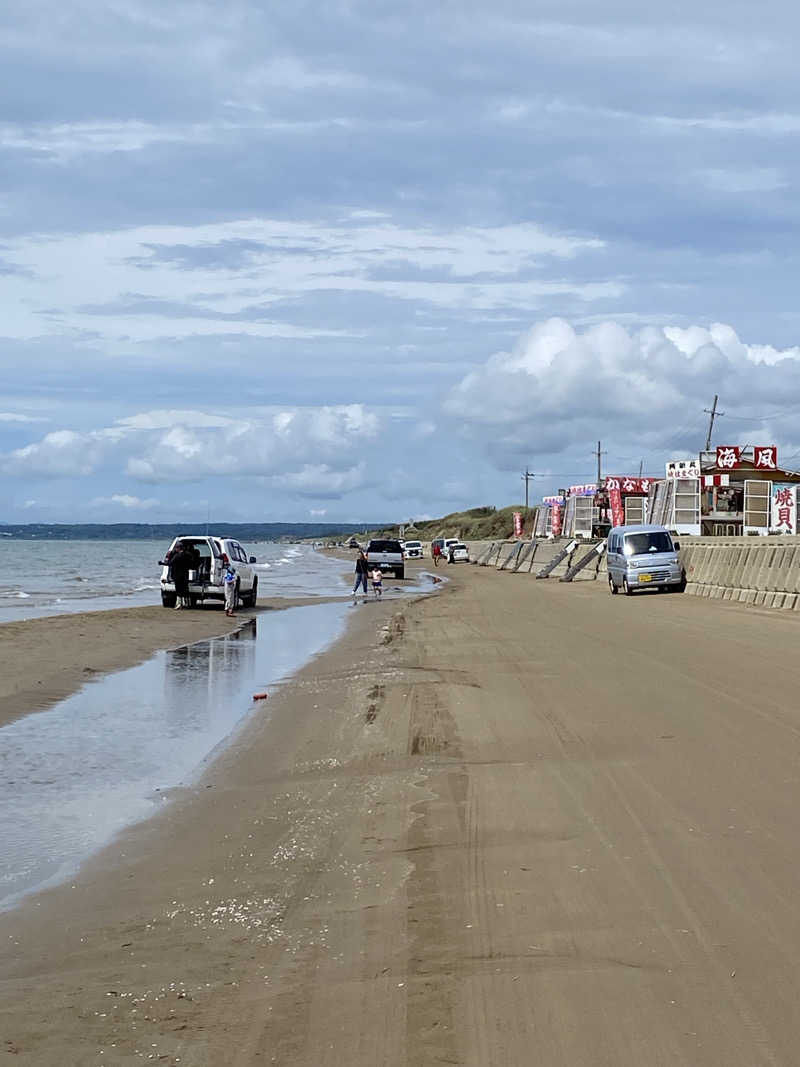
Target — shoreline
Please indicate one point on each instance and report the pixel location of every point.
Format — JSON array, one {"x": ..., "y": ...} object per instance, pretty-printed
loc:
[{"x": 86, "y": 645}]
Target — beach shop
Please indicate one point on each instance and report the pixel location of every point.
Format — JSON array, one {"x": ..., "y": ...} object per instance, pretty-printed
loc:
[{"x": 727, "y": 492}]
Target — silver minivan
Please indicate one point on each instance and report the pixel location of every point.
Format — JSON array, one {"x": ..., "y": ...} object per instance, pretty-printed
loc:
[{"x": 643, "y": 557}]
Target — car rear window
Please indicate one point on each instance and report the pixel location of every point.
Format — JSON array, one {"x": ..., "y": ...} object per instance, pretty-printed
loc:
[
  {"x": 384, "y": 546},
  {"x": 413, "y": 544}
]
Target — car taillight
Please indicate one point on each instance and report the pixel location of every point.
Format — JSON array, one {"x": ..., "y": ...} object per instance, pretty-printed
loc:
[{"x": 225, "y": 559}]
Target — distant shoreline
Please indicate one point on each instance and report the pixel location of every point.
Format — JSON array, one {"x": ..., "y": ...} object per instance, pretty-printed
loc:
[{"x": 136, "y": 531}]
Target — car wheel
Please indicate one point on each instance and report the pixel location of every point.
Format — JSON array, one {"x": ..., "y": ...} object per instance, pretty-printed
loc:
[
  {"x": 237, "y": 600},
  {"x": 626, "y": 589},
  {"x": 401, "y": 573},
  {"x": 611, "y": 587},
  {"x": 168, "y": 600},
  {"x": 251, "y": 603}
]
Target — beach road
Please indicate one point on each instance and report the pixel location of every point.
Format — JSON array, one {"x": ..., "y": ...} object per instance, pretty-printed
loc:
[{"x": 516, "y": 823}]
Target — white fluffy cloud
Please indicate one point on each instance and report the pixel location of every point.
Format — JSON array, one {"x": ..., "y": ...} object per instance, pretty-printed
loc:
[
  {"x": 302, "y": 449},
  {"x": 559, "y": 388}
]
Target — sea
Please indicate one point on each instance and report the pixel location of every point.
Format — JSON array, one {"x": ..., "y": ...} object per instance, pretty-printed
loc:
[
  {"x": 57, "y": 577},
  {"x": 74, "y": 775}
]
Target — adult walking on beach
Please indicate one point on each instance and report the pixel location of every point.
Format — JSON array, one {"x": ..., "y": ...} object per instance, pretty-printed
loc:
[
  {"x": 180, "y": 564},
  {"x": 362, "y": 572},
  {"x": 436, "y": 552}
]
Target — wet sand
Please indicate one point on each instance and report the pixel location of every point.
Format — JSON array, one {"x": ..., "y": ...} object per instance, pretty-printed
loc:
[
  {"x": 44, "y": 660},
  {"x": 519, "y": 822}
]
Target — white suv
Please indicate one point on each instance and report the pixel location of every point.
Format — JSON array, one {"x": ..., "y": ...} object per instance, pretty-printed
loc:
[{"x": 212, "y": 556}]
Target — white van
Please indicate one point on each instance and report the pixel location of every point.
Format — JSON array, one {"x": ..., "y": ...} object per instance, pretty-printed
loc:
[
  {"x": 444, "y": 544},
  {"x": 643, "y": 557},
  {"x": 412, "y": 549}
]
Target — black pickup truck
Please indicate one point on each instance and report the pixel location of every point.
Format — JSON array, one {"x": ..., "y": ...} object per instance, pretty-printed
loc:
[{"x": 388, "y": 555}]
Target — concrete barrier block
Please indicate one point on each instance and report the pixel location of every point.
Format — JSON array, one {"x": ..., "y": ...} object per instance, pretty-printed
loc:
[
  {"x": 749, "y": 596},
  {"x": 778, "y": 599},
  {"x": 727, "y": 592},
  {"x": 789, "y": 601},
  {"x": 759, "y": 597},
  {"x": 716, "y": 592}
]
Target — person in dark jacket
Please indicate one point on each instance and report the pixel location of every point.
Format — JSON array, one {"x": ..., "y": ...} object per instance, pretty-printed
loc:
[
  {"x": 362, "y": 572},
  {"x": 181, "y": 562}
]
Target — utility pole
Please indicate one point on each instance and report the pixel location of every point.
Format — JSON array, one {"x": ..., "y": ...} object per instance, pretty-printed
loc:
[
  {"x": 599, "y": 454},
  {"x": 641, "y": 464},
  {"x": 526, "y": 477},
  {"x": 712, "y": 411}
]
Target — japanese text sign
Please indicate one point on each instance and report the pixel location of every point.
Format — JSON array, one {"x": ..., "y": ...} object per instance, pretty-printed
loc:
[
  {"x": 766, "y": 457},
  {"x": 617, "y": 510},
  {"x": 784, "y": 508},
  {"x": 729, "y": 457}
]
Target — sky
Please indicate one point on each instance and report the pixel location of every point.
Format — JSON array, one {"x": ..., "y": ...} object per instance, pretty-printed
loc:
[{"x": 359, "y": 261}]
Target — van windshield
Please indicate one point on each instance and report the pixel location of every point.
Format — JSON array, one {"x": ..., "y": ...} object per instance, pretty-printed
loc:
[{"x": 640, "y": 543}]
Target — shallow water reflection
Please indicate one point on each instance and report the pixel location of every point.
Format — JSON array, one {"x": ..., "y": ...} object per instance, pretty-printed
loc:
[{"x": 74, "y": 775}]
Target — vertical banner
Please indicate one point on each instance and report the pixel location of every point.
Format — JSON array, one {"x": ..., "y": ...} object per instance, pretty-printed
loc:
[
  {"x": 518, "y": 524},
  {"x": 556, "y": 520},
  {"x": 617, "y": 512},
  {"x": 784, "y": 509}
]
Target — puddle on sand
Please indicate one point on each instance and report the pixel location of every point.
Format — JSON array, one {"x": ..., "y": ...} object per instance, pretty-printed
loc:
[{"x": 74, "y": 775}]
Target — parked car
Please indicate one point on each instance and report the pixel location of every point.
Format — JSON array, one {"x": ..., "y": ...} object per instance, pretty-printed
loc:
[
  {"x": 458, "y": 553},
  {"x": 444, "y": 544},
  {"x": 213, "y": 554},
  {"x": 643, "y": 557},
  {"x": 387, "y": 553},
  {"x": 413, "y": 550}
]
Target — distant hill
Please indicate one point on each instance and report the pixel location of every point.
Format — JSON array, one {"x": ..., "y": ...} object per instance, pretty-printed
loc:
[
  {"x": 476, "y": 524},
  {"x": 143, "y": 531}
]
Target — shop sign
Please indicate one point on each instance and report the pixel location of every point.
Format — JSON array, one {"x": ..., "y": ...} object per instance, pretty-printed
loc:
[
  {"x": 617, "y": 510},
  {"x": 729, "y": 457},
  {"x": 551, "y": 500},
  {"x": 683, "y": 468},
  {"x": 784, "y": 508},
  {"x": 629, "y": 485},
  {"x": 518, "y": 524},
  {"x": 583, "y": 490},
  {"x": 555, "y": 525},
  {"x": 766, "y": 457}
]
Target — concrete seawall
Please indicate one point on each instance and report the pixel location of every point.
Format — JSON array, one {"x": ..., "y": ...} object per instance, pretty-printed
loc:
[{"x": 749, "y": 570}]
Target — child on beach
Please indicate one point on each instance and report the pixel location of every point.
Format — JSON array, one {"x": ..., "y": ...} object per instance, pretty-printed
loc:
[
  {"x": 377, "y": 582},
  {"x": 229, "y": 584}
]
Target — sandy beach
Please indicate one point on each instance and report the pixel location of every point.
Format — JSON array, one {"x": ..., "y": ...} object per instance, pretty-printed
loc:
[{"x": 517, "y": 822}]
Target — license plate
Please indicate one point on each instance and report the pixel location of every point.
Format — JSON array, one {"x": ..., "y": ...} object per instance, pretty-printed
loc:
[{"x": 645, "y": 577}]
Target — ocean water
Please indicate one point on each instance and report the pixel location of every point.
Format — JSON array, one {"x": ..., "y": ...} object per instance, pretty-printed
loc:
[{"x": 54, "y": 577}]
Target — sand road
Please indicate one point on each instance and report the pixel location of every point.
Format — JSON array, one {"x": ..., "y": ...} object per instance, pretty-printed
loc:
[{"x": 519, "y": 823}]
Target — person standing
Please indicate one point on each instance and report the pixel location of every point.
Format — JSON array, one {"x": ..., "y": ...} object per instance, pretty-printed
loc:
[
  {"x": 436, "y": 552},
  {"x": 229, "y": 585},
  {"x": 377, "y": 583},
  {"x": 362, "y": 571},
  {"x": 180, "y": 565}
]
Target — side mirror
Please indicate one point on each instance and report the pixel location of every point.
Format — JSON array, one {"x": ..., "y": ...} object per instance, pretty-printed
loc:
[
  {"x": 161, "y": 563},
  {"x": 253, "y": 559},
  {"x": 676, "y": 545}
]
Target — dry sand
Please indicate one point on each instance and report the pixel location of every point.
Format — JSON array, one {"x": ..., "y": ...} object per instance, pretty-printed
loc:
[{"x": 517, "y": 823}]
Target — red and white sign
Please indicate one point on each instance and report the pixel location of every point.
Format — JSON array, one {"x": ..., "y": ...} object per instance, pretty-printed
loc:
[
  {"x": 583, "y": 490},
  {"x": 551, "y": 499},
  {"x": 617, "y": 510},
  {"x": 710, "y": 480},
  {"x": 729, "y": 457},
  {"x": 784, "y": 508},
  {"x": 555, "y": 524},
  {"x": 518, "y": 524},
  {"x": 766, "y": 457},
  {"x": 629, "y": 485},
  {"x": 683, "y": 468}
]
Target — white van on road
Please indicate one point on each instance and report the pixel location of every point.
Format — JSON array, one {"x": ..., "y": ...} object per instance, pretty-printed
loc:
[{"x": 643, "y": 557}]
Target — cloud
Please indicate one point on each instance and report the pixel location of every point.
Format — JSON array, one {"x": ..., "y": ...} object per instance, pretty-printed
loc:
[
  {"x": 125, "y": 500},
  {"x": 642, "y": 391},
  {"x": 13, "y": 416},
  {"x": 304, "y": 450}
]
